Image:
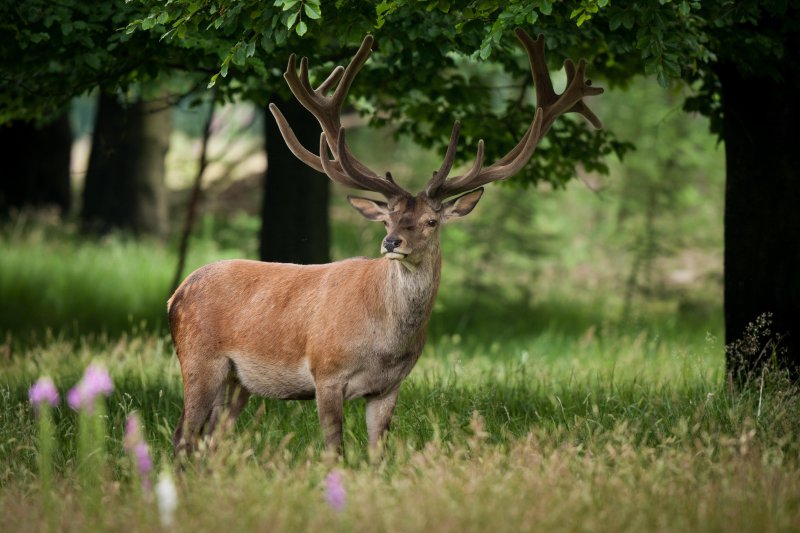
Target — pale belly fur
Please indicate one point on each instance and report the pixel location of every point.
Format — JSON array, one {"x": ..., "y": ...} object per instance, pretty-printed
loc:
[{"x": 371, "y": 376}]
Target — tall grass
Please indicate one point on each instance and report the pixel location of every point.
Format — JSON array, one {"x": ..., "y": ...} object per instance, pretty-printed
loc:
[
  {"x": 53, "y": 282},
  {"x": 594, "y": 433}
]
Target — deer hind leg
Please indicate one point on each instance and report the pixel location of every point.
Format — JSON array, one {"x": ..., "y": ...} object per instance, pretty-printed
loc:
[
  {"x": 203, "y": 377},
  {"x": 230, "y": 400}
]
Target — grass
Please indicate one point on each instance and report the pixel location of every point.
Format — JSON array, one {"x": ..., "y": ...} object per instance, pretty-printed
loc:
[{"x": 603, "y": 432}]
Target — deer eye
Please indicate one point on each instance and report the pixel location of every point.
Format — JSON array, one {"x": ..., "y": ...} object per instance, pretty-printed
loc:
[{"x": 432, "y": 222}]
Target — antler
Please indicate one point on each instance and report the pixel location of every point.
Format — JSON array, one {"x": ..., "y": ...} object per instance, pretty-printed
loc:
[
  {"x": 345, "y": 169},
  {"x": 549, "y": 107}
]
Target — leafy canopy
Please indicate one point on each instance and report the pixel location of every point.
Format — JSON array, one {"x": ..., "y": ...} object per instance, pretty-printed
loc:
[{"x": 435, "y": 60}]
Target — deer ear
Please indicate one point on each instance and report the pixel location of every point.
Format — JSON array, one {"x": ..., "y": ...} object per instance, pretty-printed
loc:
[
  {"x": 371, "y": 209},
  {"x": 462, "y": 205}
]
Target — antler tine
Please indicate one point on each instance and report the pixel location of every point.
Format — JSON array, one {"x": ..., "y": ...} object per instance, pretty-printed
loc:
[
  {"x": 304, "y": 75},
  {"x": 332, "y": 78},
  {"x": 326, "y": 109},
  {"x": 549, "y": 107},
  {"x": 293, "y": 143},
  {"x": 368, "y": 182},
  {"x": 440, "y": 175},
  {"x": 576, "y": 79},
  {"x": 331, "y": 169},
  {"x": 295, "y": 85},
  {"x": 477, "y": 165},
  {"x": 478, "y": 176},
  {"x": 545, "y": 95},
  {"x": 352, "y": 69}
]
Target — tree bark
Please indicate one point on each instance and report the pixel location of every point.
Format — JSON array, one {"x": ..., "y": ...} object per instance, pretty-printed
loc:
[
  {"x": 295, "y": 206},
  {"x": 36, "y": 162},
  {"x": 762, "y": 216},
  {"x": 125, "y": 180}
]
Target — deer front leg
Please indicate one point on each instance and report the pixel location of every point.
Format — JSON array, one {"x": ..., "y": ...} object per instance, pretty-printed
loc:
[
  {"x": 379, "y": 415},
  {"x": 330, "y": 407}
]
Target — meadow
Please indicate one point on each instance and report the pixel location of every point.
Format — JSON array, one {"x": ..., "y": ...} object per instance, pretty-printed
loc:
[
  {"x": 605, "y": 431},
  {"x": 573, "y": 380},
  {"x": 524, "y": 413}
]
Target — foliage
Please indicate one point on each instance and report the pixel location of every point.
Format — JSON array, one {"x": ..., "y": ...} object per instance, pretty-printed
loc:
[
  {"x": 429, "y": 46},
  {"x": 53, "y": 52},
  {"x": 424, "y": 48},
  {"x": 428, "y": 42}
]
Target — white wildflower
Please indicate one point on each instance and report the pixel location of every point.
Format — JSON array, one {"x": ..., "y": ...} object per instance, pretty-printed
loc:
[{"x": 167, "y": 498}]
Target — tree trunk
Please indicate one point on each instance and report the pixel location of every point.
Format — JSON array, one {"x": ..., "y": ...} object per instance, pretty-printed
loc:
[
  {"x": 762, "y": 217},
  {"x": 35, "y": 165},
  {"x": 295, "y": 207},
  {"x": 125, "y": 179}
]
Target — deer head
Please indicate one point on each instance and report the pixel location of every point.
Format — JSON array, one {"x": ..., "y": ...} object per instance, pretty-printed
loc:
[{"x": 412, "y": 221}]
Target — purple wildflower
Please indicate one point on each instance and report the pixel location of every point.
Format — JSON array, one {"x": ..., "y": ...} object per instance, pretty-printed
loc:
[
  {"x": 44, "y": 390},
  {"x": 95, "y": 382},
  {"x": 143, "y": 461},
  {"x": 133, "y": 432},
  {"x": 335, "y": 494},
  {"x": 135, "y": 444}
]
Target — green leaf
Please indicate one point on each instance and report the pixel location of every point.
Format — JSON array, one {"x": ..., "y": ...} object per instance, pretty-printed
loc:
[
  {"x": 239, "y": 57},
  {"x": 486, "y": 49},
  {"x": 661, "y": 77},
  {"x": 628, "y": 20},
  {"x": 301, "y": 28},
  {"x": 213, "y": 81},
  {"x": 267, "y": 44},
  {"x": 312, "y": 12},
  {"x": 289, "y": 4},
  {"x": 292, "y": 19},
  {"x": 93, "y": 60}
]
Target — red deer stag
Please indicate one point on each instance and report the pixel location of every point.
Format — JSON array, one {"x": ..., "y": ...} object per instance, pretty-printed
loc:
[{"x": 350, "y": 329}]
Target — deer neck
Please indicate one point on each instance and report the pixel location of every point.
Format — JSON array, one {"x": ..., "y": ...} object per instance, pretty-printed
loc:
[{"x": 411, "y": 290}]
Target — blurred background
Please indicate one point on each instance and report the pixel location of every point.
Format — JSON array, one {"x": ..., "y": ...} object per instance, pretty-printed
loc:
[{"x": 639, "y": 247}]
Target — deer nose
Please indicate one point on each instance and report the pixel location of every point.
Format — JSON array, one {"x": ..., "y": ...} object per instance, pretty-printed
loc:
[{"x": 391, "y": 243}]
